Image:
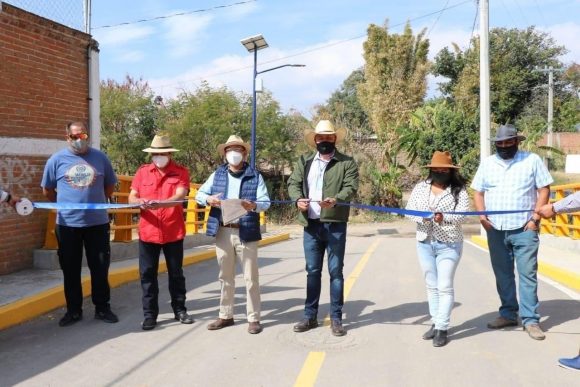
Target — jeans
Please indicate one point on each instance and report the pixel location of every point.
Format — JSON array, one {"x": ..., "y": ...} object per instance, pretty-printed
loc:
[
  {"x": 148, "y": 269},
  {"x": 95, "y": 240},
  {"x": 439, "y": 261},
  {"x": 318, "y": 238},
  {"x": 520, "y": 246}
]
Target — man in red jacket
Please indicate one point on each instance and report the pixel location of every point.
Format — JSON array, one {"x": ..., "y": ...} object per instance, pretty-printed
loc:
[{"x": 159, "y": 188}]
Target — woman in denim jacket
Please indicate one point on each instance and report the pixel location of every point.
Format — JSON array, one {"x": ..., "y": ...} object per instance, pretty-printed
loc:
[{"x": 440, "y": 238}]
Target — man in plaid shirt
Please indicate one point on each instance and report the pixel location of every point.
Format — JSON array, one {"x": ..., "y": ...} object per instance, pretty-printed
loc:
[{"x": 513, "y": 180}]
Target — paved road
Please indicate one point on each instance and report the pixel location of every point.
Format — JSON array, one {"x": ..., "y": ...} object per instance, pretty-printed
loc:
[{"x": 385, "y": 314}]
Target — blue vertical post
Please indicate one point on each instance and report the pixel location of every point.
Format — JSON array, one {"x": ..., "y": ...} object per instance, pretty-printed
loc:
[{"x": 253, "y": 141}]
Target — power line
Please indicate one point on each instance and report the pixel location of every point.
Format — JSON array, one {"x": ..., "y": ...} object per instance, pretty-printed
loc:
[
  {"x": 522, "y": 13},
  {"x": 317, "y": 48},
  {"x": 540, "y": 12},
  {"x": 509, "y": 13},
  {"x": 474, "y": 21},
  {"x": 437, "y": 19},
  {"x": 175, "y": 14}
]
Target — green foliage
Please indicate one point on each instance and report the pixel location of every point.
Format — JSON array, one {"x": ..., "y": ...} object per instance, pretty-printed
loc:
[
  {"x": 129, "y": 119},
  {"x": 395, "y": 81},
  {"x": 380, "y": 186},
  {"x": 514, "y": 54},
  {"x": 344, "y": 107},
  {"x": 439, "y": 126},
  {"x": 202, "y": 120}
]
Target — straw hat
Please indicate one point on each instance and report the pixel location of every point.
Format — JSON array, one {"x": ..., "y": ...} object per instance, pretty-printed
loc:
[
  {"x": 160, "y": 144},
  {"x": 441, "y": 160},
  {"x": 233, "y": 140},
  {"x": 324, "y": 127},
  {"x": 506, "y": 132}
]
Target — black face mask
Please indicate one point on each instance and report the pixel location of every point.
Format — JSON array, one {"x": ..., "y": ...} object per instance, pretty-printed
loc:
[
  {"x": 508, "y": 152},
  {"x": 442, "y": 178},
  {"x": 325, "y": 147}
]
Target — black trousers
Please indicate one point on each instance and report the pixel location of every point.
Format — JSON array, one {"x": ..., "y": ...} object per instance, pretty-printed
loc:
[
  {"x": 148, "y": 269},
  {"x": 95, "y": 240}
]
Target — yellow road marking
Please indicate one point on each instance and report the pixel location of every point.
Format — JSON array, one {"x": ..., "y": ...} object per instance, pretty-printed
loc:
[
  {"x": 310, "y": 369},
  {"x": 313, "y": 362}
]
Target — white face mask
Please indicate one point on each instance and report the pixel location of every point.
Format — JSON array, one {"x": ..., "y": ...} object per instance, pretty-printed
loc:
[
  {"x": 160, "y": 161},
  {"x": 234, "y": 157}
]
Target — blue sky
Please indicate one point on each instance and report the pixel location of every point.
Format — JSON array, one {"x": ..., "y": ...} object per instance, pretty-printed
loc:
[{"x": 177, "y": 53}]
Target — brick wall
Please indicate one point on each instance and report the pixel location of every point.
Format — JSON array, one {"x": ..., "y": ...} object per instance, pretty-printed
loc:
[
  {"x": 568, "y": 142},
  {"x": 43, "y": 85}
]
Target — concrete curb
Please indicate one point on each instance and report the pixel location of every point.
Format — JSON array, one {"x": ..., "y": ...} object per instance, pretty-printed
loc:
[
  {"x": 564, "y": 277},
  {"x": 45, "y": 301}
]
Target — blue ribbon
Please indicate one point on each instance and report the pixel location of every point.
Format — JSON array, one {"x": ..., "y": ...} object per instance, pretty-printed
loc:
[
  {"x": 81, "y": 206},
  {"x": 391, "y": 210}
]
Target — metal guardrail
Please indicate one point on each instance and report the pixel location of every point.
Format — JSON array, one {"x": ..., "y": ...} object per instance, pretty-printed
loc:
[
  {"x": 125, "y": 221},
  {"x": 562, "y": 225}
]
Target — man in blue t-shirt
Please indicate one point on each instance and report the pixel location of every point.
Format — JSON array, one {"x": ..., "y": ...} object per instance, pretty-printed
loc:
[{"x": 81, "y": 174}]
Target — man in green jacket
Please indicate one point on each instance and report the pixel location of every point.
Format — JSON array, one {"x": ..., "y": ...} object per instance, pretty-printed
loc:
[{"x": 319, "y": 181}]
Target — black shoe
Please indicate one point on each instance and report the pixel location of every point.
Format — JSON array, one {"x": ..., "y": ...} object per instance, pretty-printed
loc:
[
  {"x": 440, "y": 338},
  {"x": 183, "y": 317},
  {"x": 148, "y": 324},
  {"x": 70, "y": 318},
  {"x": 306, "y": 325},
  {"x": 106, "y": 315},
  {"x": 429, "y": 334},
  {"x": 337, "y": 328}
]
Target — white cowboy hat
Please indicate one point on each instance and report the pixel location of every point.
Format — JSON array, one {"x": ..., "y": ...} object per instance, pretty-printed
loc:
[
  {"x": 160, "y": 144},
  {"x": 233, "y": 140},
  {"x": 324, "y": 127}
]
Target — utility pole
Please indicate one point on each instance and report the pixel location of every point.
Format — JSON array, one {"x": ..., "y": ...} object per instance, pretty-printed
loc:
[
  {"x": 484, "y": 104},
  {"x": 550, "y": 70},
  {"x": 87, "y": 16}
]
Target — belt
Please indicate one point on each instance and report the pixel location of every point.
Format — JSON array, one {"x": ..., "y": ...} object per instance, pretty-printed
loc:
[{"x": 231, "y": 225}]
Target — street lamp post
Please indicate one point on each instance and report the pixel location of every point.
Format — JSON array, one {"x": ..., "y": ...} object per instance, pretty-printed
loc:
[{"x": 253, "y": 44}]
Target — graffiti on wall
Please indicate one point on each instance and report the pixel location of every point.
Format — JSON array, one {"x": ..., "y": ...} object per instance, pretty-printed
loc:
[{"x": 18, "y": 176}]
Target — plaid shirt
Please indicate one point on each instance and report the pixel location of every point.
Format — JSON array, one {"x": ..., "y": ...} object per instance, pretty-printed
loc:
[{"x": 511, "y": 185}]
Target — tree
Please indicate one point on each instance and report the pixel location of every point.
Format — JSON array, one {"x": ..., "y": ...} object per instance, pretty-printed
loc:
[
  {"x": 129, "y": 119},
  {"x": 344, "y": 107},
  {"x": 395, "y": 81},
  {"x": 514, "y": 54},
  {"x": 440, "y": 126},
  {"x": 200, "y": 121}
]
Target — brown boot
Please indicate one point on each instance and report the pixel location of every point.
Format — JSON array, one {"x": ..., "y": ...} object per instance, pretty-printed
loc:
[
  {"x": 501, "y": 322},
  {"x": 535, "y": 331},
  {"x": 220, "y": 323},
  {"x": 254, "y": 327}
]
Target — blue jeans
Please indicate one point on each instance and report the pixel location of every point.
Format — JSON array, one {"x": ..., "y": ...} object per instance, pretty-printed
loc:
[
  {"x": 318, "y": 238},
  {"x": 439, "y": 261},
  {"x": 520, "y": 246}
]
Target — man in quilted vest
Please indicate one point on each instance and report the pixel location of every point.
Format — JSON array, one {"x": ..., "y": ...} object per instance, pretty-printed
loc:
[{"x": 235, "y": 179}]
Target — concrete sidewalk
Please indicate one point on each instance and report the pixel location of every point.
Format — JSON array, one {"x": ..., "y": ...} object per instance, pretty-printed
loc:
[
  {"x": 31, "y": 293},
  {"x": 558, "y": 259}
]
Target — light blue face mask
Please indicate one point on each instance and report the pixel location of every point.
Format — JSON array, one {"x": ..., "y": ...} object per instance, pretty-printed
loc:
[{"x": 79, "y": 145}]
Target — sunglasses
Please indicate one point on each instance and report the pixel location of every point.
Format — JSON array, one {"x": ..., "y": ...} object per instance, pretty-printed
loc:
[{"x": 78, "y": 136}]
